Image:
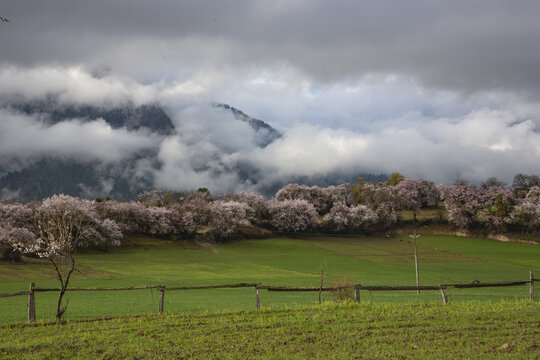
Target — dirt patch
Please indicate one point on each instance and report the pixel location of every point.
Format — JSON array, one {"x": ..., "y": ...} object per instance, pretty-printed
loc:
[
  {"x": 430, "y": 230},
  {"x": 207, "y": 245}
]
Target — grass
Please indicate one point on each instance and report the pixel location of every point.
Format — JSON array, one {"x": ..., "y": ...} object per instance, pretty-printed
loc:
[
  {"x": 509, "y": 330},
  {"x": 277, "y": 261},
  {"x": 382, "y": 250}
]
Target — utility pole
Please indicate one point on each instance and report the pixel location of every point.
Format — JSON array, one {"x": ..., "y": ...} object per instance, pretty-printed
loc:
[{"x": 414, "y": 236}]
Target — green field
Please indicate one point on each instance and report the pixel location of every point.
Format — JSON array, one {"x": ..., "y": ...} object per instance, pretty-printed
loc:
[
  {"x": 471, "y": 330},
  {"x": 278, "y": 261}
]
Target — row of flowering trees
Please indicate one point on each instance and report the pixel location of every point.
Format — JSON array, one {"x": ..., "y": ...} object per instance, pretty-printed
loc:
[
  {"x": 295, "y": 208},
  {"x": 493, "y": 207}
]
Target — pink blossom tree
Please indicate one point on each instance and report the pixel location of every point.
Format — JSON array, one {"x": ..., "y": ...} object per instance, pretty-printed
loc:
[
  {"x": 130, "y": 216},
  {"x": 99, "y": 233},
  {"x": 16, "y": 226},
  {"x": 338, "y": 219},
  {"x": 183, "y": 220},
  {"x": 140, "y": 217},
  {"x": 321, "y": 198},
  {"x": 416, "y": 193},
  {"x": 199, "y": 206},
  {"x": 386, "y": 214},
  {"x": 334, "y": 194},
  {"x": 94, "y": 230},
  {"x": 257, "y": 212},
  {"x": 344, "y": 218},
  {"x": 158, "y": 220},
  {"x": 160, "y": 198},
  {"x": 463, "y": 202},
  {"x": 14, "y": 241},
  {"x": 527, "y": 213},
  {"x": 499, "y": 207},
  {"x": 384, "y": 200},
  {"x": 227, "y": 218},
  {"x": 293, "y": 215},
  {"x": 191, "y": 213}
]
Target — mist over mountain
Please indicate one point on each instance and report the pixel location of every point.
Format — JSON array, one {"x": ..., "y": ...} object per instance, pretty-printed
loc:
[
  {"x": 86, "y": 180},
  {"x": 129, "y": 116},
  {"x": 58, "y": 166}
]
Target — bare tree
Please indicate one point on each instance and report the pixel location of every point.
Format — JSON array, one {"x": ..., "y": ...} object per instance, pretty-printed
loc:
[{"x": 522, "y": 183}]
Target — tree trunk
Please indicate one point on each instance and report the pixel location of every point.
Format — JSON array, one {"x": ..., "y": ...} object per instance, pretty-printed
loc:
[{"x": 64, "y": 282}]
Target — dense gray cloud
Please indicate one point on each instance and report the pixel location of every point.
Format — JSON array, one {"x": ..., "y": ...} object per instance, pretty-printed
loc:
[
  {"x": 460, "y": 44},
  {"x": 441, "y": 90},
  {"x": 70, "y": 85}
]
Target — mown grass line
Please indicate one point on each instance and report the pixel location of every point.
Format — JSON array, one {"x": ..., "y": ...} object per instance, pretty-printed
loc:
[
  {"x": 487, "y": 330},
  {"x": 376, "y": 249}
]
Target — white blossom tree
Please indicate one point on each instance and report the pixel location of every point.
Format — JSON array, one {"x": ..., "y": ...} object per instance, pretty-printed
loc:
[
  {"x": 59, "y": 223},
  {"x": 62, "y": 224}
]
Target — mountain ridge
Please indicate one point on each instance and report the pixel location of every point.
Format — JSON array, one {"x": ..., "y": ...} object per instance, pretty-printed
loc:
[
  {"x": 51, "y": 175},
  {"x": 264, "y": 133}
]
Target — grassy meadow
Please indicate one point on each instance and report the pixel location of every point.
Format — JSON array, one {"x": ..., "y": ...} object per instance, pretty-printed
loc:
[
  {"x": 470, "y": 330},
  {"x": 277, "y": 261}
]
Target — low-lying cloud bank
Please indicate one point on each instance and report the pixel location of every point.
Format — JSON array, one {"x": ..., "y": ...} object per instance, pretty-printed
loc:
[
  {"x": 24, "y": 139},
  {"x": 482, "y": 144},
  {"x": 374, "y": 124}
]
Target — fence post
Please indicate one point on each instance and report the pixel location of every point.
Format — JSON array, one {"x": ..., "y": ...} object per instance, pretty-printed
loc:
[
  {"x": 357, "y": 293},
  {"x": 531, "y": 286},
  {"x": 443, "y": 295},
  {"x": 257, "y": 301},
  {"x": 161, "y": 299},
  {"x": 31, "y": 304}
]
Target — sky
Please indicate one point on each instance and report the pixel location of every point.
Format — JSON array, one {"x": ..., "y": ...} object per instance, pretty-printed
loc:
[{"x": 442, "y": 90}]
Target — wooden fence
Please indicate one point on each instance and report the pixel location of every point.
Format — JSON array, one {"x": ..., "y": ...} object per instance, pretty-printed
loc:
[{"x": 258, "y": 286}]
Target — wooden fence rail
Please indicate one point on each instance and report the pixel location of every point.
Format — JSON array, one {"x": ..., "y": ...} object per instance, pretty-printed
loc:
[
  {"x": 478, "y": 284},
  {"x": 259, "y": 286},
  {"x": 19, "y": 293},
  {"x": 359, "y": 287},
  {"x": 38, "y": 289},
  {"x": 241, "y": 285}
]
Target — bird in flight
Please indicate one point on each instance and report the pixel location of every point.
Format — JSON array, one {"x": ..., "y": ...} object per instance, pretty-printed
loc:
[{"x": 4, "y": 19}]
